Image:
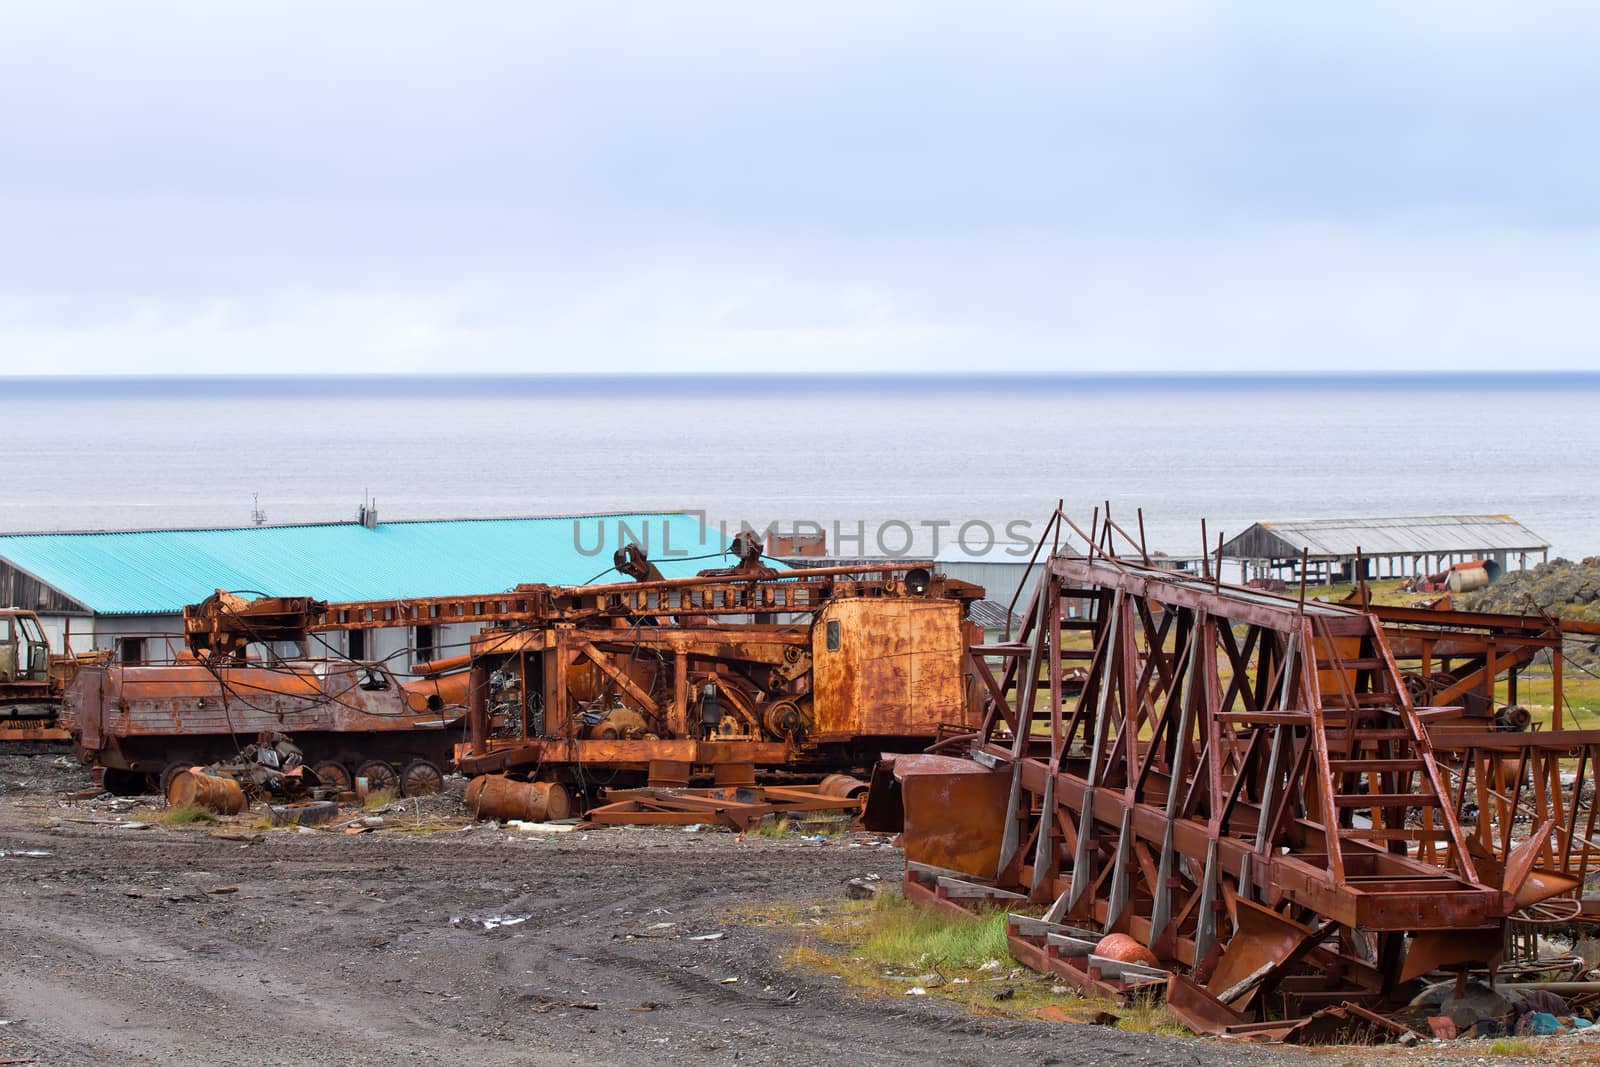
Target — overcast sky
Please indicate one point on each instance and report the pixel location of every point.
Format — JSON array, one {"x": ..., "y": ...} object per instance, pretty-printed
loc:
[{"x": 536, "y": 187}]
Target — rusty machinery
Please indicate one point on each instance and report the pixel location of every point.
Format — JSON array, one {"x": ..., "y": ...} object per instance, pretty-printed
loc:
[
  {"x": 144, "y": 723},
  {"x": 1233, "y": 786},
  {"x": 667, "y": 680},
  {"x": 657, "y": 682},
  {"x": 32, "y": 679}
]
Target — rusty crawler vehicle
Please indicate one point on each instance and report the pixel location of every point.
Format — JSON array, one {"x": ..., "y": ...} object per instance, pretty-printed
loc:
[
  {"x": 145, "y": 723},
  {"x": 667, "y": 681}
]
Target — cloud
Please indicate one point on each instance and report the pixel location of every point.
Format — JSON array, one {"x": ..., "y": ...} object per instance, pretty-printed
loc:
[{"x": 828, "y": 186}]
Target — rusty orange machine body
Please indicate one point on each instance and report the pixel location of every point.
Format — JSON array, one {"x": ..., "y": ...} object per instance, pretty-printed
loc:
[
  {"x": 140, "y": 722},
  {"x": 652, "y": 681},
  {"x": 865, "y": 671}
]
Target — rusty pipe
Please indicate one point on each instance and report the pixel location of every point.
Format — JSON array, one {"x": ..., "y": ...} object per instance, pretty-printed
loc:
[{"x": 442, "y": 666}]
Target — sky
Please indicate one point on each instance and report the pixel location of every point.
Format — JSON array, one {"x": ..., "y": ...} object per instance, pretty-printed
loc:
[{"x": 283, "y": 187}]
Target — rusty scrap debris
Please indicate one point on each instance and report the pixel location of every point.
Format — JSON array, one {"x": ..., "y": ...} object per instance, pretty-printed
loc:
[{"x": 739, "y": 809}]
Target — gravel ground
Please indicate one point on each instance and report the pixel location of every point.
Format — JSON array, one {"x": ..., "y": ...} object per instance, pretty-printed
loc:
[{"x": 157, "y": 945}]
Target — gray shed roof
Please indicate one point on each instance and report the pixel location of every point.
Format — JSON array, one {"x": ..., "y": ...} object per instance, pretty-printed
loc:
[
  {"x": 1402, "y": 535},
  {"x": 992, "y": 615}
]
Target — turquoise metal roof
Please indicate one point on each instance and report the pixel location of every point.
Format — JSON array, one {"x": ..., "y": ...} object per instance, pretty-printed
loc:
[{"x": 157, "y": 572}]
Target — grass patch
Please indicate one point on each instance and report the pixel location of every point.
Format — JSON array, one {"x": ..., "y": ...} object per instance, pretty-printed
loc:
[
  {"x": 1515, "y": 1046},
  {"x": 380, "y": 799},
  {"x": 188, "y": 815},
  {"x": 902, "y": 935},
  {"x": 1383, "y": 591},
  {"x": 886, "y": 946},
  {"x": 1147, "y": 1014},
  {"x": 783, "y": 826}
]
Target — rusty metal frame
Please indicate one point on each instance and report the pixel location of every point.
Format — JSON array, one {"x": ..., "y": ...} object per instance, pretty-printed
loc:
[{"x": 1230, "y": 755}]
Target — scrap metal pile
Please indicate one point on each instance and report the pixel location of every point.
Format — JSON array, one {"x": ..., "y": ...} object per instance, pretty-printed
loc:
[{"x": 1246, "y": 787}]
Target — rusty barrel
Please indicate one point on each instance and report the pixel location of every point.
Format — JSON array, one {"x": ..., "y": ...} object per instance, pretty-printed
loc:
[
  {"x": 195, "y": 788},
  {"x": 494, "y": 796},
  {"x": 844, "y": 786}
]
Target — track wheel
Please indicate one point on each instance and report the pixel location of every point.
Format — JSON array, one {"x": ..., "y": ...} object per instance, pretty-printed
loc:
[
  {"x": 421, "y": 779},
  {"x": 379, "y": 775},
  {"x": 333, "y": 774}
]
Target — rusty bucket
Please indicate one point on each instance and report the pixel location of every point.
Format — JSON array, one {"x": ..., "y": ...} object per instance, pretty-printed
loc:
[
  {"x": 494, "y": 796},
  {"x": 195, "y": 788}
]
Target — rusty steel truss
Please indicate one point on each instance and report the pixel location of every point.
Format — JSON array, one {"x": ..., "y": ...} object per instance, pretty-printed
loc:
[
  {"x": 1507, "y": 775},
  {"x": 1243, "y": 783}
]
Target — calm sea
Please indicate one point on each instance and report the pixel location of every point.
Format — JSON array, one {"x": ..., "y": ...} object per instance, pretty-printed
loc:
[{"x": 142, "y": 453}]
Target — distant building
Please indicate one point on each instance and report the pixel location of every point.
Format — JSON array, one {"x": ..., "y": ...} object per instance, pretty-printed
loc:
[
  {"x": 1388, "y": 547},
  {"x": 126, "y": 590},
  {"x": 1004, "y": 572},
  {"x": 797, "y": 546}
]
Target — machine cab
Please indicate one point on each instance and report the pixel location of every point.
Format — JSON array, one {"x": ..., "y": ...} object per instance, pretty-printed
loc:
[{"x": 24, "y": 655}]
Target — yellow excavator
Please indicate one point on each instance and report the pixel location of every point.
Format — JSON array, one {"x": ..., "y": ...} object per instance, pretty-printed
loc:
[{"x": 32, "y": 679}]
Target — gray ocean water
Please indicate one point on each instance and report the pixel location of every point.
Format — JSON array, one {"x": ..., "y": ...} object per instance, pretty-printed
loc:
[{"x": 137, "y": 454}]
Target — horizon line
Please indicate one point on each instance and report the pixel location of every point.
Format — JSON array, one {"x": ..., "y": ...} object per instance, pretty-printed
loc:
[
  {"x": 680, "y": 384},
  {"x": 828, "y": 375}
]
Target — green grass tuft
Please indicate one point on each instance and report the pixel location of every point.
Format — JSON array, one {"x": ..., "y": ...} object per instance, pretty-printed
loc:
[
  {"x": 1515, "y": 1046},
  {"x": 903, "y": 935},
  {"x": 1146, "y": 1014},
  {"x": 188, "y": 815},
  {"x": 778, "y": 827},
  {"x": 783, "y": 826},
  {"x": 883, "y": 946}
]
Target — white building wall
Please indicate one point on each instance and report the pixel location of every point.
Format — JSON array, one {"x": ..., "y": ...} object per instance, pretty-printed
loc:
[
  {"x": 999, "y": 579},
  {"x": 163, "y": 638},
  {"x": 162, "y": 634}
]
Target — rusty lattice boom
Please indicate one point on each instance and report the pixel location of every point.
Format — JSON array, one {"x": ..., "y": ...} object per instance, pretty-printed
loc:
[{"x": 1233, "y": 786}]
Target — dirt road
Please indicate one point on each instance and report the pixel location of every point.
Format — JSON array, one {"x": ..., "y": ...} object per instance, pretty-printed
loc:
[{"x": 384, "y": 948}]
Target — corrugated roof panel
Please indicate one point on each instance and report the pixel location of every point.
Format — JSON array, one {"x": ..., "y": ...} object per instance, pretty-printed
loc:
[
  {"x": 992, "y": 615},
  {"x": 159, "y": 571},
  {"x": 1403, "y": 535}
]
